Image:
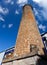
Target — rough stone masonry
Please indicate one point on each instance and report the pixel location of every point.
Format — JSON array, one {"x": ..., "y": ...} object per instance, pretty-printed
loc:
[{"x": 28, "y": 34}]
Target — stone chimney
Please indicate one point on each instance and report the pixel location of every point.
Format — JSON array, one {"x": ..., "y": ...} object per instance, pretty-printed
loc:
[{"x": 28, "y": 33}]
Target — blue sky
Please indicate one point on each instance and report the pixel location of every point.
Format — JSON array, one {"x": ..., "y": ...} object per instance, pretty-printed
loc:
[{"x": 10, "y": 16}]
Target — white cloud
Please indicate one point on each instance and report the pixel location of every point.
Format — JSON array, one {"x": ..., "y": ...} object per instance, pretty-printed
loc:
[
  {"x": 37, "y": 22},
  {"x": 16, "y": 12},
  {"x": 3, "y": 10},
  {"x": 10, "y": 25},
  {"x": 38, "y": 13},
  {"x": 1, "y": 18},
  {"x": 37, "y": 1},
  {"x": 42, "y": 3},
  {"x": 44, "y": 13},
  {"x": 35, "y": 11},
  {"x": 9, "y": 1},
  {"x": 12, "y": 2},
  {"x": 22, "y": 2},
  {"x": 3, "y": 26},
  {"x": 42, "y": 27}
]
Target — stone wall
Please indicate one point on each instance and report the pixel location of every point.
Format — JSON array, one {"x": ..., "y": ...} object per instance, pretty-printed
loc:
[
  {"x": 33, "y": 60},
  {"x": 25, "y": 61}
]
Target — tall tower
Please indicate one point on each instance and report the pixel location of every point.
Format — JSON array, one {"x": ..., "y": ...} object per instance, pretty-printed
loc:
[{"x": 28, "y": 33}]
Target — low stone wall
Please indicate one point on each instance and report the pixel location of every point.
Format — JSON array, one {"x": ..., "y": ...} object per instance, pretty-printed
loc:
[
  {"x": 25, "y": 61},
  {"x": 35, "y": 60}
]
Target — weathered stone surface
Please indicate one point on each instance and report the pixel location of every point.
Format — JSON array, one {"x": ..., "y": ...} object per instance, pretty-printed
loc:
[
  {"x": 9, "y": 63},
  {"x": 25, "y": 61},
  {"x": 28, "y": 34},
  {"x": 33, "y": 53},
  {"x": 34, "y": 60}
]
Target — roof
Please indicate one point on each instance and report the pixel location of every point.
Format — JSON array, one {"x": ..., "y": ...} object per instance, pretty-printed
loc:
[{"x": 43, "y": 33}]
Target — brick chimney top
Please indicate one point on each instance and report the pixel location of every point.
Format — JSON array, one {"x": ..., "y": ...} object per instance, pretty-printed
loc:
[{"x": 27, "y": 5}]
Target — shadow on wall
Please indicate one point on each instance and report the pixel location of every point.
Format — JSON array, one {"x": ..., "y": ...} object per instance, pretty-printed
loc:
[{"x": 42, "y": 60}]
